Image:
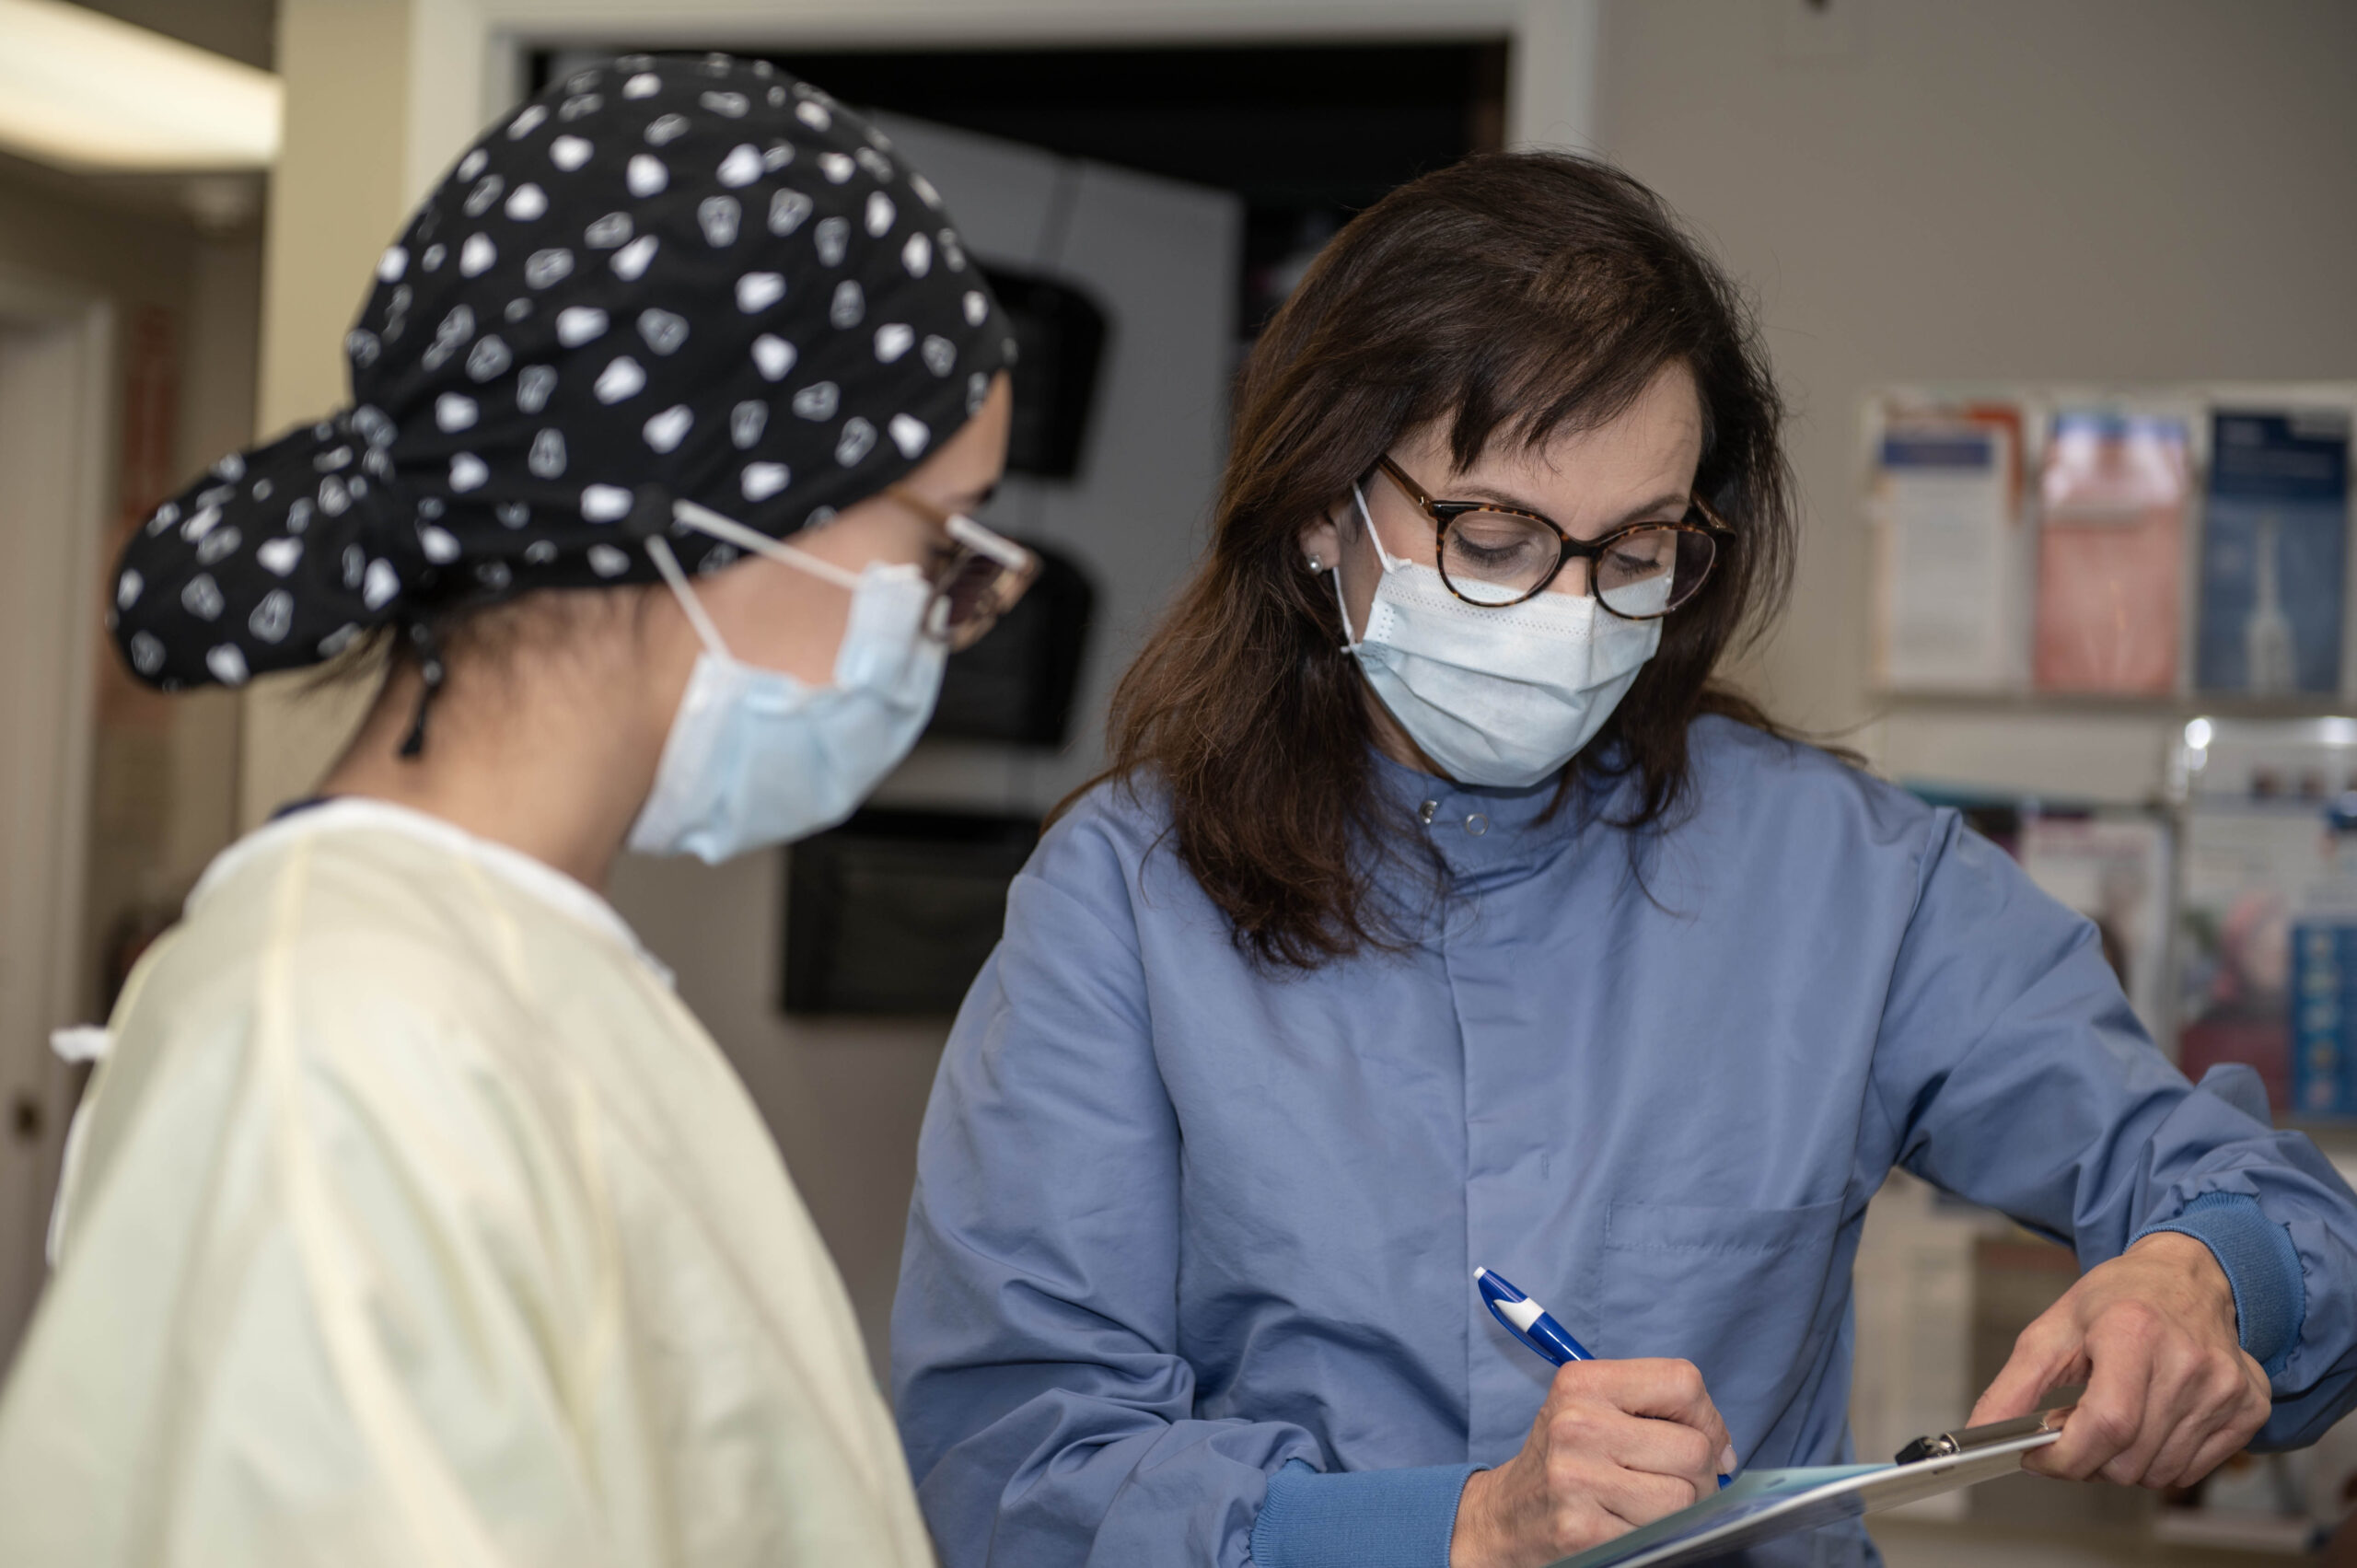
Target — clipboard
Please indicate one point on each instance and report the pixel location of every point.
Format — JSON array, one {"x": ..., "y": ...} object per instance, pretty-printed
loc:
[{"x": 1763, "y": 1505}]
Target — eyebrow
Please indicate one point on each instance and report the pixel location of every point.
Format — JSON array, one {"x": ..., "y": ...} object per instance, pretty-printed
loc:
[{"x": 1507, "y": 498}]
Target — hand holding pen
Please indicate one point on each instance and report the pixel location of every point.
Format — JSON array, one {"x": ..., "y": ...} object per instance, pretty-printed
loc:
[{"x": 1618, "y": 1444}]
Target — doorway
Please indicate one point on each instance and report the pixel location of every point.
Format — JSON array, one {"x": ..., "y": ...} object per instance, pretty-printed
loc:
[{"x": 55, "y": 352}]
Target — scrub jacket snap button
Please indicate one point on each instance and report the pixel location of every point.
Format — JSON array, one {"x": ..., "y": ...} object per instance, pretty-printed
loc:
[
  {"x": 1477, "y": 824},
  {"x": 1425, "y": 812}
]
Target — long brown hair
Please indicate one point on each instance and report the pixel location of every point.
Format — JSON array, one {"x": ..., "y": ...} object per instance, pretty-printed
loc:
[{"x": 1514, "y": 296}]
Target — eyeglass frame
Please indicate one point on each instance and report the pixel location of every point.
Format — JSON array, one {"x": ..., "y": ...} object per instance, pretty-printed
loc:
[
  {"x": 1442, "y": 514},
  {"x": 971, "y": 541}
]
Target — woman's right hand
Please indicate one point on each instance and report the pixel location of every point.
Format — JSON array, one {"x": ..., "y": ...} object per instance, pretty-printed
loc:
[{"x": 1618, "y": 1444}]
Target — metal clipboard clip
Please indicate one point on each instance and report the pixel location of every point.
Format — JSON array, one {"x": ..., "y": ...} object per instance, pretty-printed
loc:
[{"x": 1953, "y": 1445}]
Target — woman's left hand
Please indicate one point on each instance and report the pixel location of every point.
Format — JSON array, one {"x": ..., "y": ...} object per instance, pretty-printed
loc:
[{"x": 2170, "y": 1392}]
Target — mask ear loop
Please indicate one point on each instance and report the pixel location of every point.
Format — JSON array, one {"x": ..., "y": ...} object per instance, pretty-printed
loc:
[
  {"x": 704, "y": 520},
  {"x": 659, "y": 552},
  {"x": 1352, "y": 643}
]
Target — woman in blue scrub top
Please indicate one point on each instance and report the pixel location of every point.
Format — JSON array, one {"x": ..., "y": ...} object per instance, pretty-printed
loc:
[{"x": 1437, "y": 909}]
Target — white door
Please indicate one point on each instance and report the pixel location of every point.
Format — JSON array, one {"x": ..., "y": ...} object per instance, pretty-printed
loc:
[{"x": 54, "y": 353}]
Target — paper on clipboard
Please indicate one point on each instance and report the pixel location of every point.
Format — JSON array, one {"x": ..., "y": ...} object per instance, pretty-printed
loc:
[{"x": 1763, "y": 1505}]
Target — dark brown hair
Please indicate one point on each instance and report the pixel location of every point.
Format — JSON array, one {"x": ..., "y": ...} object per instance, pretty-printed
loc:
[{"x": 1513, "y": 296}]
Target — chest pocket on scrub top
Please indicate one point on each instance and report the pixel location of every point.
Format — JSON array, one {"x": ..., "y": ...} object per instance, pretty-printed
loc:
[{"x": 1737, "y": 1292}]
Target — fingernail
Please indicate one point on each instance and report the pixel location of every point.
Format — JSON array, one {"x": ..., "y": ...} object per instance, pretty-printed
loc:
[{"x": 1726, "y": 1461}]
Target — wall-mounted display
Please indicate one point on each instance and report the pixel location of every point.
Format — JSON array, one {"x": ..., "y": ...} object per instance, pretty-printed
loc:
[
  {"x": 2274, "y": 553},
  {"x": 2113, "y": 495}
]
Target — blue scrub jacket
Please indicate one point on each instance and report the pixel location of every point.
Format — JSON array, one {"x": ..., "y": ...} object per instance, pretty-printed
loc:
[{"x": 1188, "y": 1269}]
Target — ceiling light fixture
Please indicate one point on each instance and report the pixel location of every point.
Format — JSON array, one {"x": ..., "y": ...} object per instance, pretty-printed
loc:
[{"x": 90, "y": 94}]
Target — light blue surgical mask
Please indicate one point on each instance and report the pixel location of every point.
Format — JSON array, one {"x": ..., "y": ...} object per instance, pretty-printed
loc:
[
  {"x": 757, "y": 758},
  {"x": 1501, "y": 694}
]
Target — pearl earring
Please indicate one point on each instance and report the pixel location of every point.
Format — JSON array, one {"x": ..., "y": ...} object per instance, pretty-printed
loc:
[{"x": 1316, "y": 565}]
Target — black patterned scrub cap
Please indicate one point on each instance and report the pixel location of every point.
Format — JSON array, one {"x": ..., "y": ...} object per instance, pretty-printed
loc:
[{"x": 670, "y": 278}]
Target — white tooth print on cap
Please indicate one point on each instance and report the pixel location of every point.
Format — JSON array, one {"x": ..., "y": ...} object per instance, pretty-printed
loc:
[
  {"x": 817, "y": 401},
  {"x": 909, "y": 434},
  {"x": 542, "y": 268},
  {"x": 201, "y": 523},
  {"x": 489, "y": 358},
  {"x": 578, "y": 324},
  {"x": 485, "y": 192},
  {"x": 757, "y": 291},
  {"x": 377, "y": 588},
  {"x": 454, "y": 411},
  {"x": 879, "y": 215},
  {"x": 647, "y": 176},
  {"x": 608, "y": 562},
  {"x": 539, "y": 552},
  {"x": 789, "y": 209},
  {"x": 761, "y": 481},
  {"x": 546, "y": 458},
  {"x": 631, "y": 262},
  {"x": 848, "y": 306},
  {"x": 441, "y": 546},
  {"x": 836, "y": 167},
  {"x": 857, "y": 440},
  {"x": 274, "y": 617},
  {"x": 217, "y": 545},
  {"x": 732, "y": 106},
  {"x": 147, "y": 653},
  {"x": 528, "y": 203},
  {"x": 432, "y": 260},
  {"x": 923, "y": 188},
  {"x": 512, "y": 513},
  {"x": 832, "y": 239},
  {"x": 663, "y": 330},
  {"x": 668, "y": 429},
  {"x": 742, "y": 167},
  {"x": 773, "y": 357},
  {"x": 228, "y": 664},
  {"x": 335, "y": 500},
  {"x": 917, "y": 255},
  {"x": 746, "y": 423},
  {"x": 978, "y": 307},
  {"x": 527, "y": 122},
  {"x": 279, "y": 556},
  {"x": 893, "y": 340},
  {"x": 533, "y": 385},
  {"x": 619, "y": 380},
  {"x": 665, "y": 130},
  {"x": 471, "y": 165},
  {"x": 718, "y": 218},
  {"x": 126, "y": 588},
  {"x": 568, "y": 153},
  {"x": 580, "y": 107},
  {"x": 814, "y": 115},
  {"x": 468, "y": 473},
  {"x": 647, "y": 84},
  {"x": 201, "y": 598},
  {"x": 777, "y": 155},
  {"x": 940, "y": 355},
  {"x": 476, "y": 256},
  {"x": 605, "y": 232},
  {"x": 392, "y": 264},
  {"x": 605, "y": 504}
]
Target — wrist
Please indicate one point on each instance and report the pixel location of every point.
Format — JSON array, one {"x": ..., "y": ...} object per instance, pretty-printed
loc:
[
  {"x": 1470, "y": 1541},
  {"x": 2194, "y": 1261}
]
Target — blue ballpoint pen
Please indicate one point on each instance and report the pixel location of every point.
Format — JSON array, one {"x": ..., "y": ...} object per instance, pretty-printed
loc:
[{"x": 1530, "y": 1323}]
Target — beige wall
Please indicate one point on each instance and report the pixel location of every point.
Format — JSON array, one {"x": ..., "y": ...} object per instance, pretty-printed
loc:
[{"x": 2104, "y": 190}]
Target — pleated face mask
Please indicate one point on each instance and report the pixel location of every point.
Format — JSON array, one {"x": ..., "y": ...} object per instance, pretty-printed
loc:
[
  {"x": 757, "y": 758},
  {"x": 1498, "y": 695}
]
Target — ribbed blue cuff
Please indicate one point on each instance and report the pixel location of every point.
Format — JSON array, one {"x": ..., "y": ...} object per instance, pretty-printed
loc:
[
  {"x": 1359, "y": 1518},
  {"x": 2263, "y": 1267}
]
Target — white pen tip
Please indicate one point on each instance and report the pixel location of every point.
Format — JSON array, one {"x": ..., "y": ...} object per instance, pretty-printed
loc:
[{"x": 1478, "y": 1275}]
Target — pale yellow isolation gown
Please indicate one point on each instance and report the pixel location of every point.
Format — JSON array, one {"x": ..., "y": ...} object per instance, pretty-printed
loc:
[{"x": 412, "y": 1220}]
